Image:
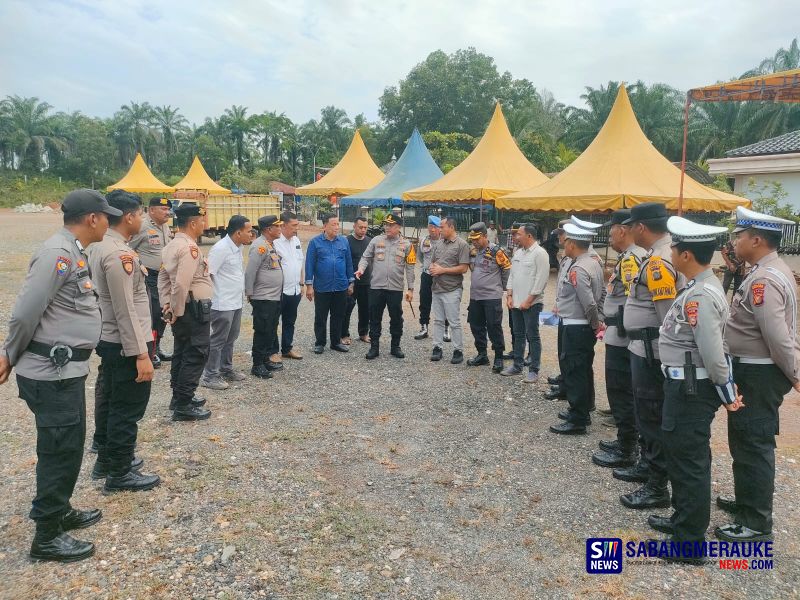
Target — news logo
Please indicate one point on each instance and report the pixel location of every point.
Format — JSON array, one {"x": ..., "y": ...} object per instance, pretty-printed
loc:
[{"x": 603, "y": 556}]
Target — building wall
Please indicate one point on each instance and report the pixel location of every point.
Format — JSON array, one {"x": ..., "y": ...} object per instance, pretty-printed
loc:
[{"x": 790, "y": 182}]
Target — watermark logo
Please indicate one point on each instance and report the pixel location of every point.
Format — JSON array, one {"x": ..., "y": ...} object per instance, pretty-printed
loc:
[{"x": 603, "y": 555}]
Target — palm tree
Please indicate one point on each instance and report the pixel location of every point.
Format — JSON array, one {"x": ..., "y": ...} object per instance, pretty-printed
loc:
[
  {"x": 172, "y": 125},
  {"x": 334, "y": 121},
  {"x": 583, "y": 124},
  {"x": 137, "y": 118},
  {"x": 238, "y": 127},
  {"x": 29, "y": 133},
  {"x": 659, "y": 110},
  {"x": 783, "y": 60}
]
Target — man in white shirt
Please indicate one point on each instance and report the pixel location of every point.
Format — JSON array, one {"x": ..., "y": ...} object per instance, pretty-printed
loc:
[
  {"x": 291, "y": 252},
  {"x": 530, "y": 269},
  {"x": 225, "y": 265}
]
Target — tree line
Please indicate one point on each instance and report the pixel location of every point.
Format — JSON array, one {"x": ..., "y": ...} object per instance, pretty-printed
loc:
[{"x": 449, "y": 97}]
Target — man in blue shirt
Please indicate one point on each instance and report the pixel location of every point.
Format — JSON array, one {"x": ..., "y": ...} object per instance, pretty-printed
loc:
[{"x": 329, "y": 280}]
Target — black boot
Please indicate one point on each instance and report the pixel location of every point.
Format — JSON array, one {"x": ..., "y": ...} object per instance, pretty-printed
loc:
[
  {"x": 51, "y": 543},
  {"x": 555, "y": 393},
  {"x": 132, "y": 481},
  {"x": 397, "y": 352},
  {"x": 609, "y": 445},
  {"x": 662, "y": 524},
  {"x": 638, "y": 473},
  {"x": 479, "y": 360},
  {"x": 80, "y": 519},
  {"x": 557, "y": 380},
  {"x": 100, "y": 469},
  {"x": 650, "y": 495},
  {"x": 497, "y": 365},
  {"x": 190, "y": 413},
  {"x": 625, "y": 456},
  {"x": 374, "y": 350},
  {"x": 436, "y": 355}
]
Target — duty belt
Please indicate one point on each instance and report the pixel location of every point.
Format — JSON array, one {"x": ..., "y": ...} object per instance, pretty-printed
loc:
[
  {"x": 574, "y": 321},
  {"x": 48, "y": 351},
  {"x": 680, "y": 372},
  {"x": 610, "y": 321},
  {"x": 747, "y": 360},
  {"x": 644, "y": 334}
]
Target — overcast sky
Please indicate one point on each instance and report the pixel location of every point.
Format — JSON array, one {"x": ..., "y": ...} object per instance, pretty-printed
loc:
[{"x": 296, "y": 56}]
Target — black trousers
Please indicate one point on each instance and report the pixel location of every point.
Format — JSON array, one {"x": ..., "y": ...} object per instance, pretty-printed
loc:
[
  {"x": 60, "y": 411},
  {"x": 731, "y": 277},
  {"x": 559, "y": 345},
  {"x": 329, "y": 304},
  {"x": 360, "y": 297},
  {"x": 619, "y": 389},
  {"x": 687, "y": 443},
  {"x": 378, "y": 301},
  {"x": 289, "y": 306},
  {"x": 577, "y": 357},
  {"x": 648, "y": 397},
  {"x": 751, "y": 438},
  {"x": 486, "y": 317},
  {"x": 158, "y": 323},
  {"x": 189, "y": 356},
  {"x": 125, "y": 402},
  {"x": 425, "y": 298},
  {"x": 266, "y": 314}
]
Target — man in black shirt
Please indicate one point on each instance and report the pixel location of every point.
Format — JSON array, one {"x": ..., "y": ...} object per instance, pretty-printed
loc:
[{"x": 358, "y": 240}]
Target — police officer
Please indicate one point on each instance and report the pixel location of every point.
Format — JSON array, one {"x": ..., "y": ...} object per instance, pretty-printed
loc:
[
  {"x": 557, "y": 390},
  {"x": 698, "y": 379},
  {"x": 54, "y": 326},
  {"x": 579, "y": 308},
  {"x": 184, "y": 289},
  {"x": 490, "y": 270},
  {"x": 392, "y": 258},
  {"x": 622, "y": 451},
  {"x": 761, "y": 336},
  {"x": 125, "y": 348},
  {"x": 263, "y": 286},
  {"x": 425, "y": 252},
  {"x": 651, "y": 295},
  {"x": 148, "y": 243}
]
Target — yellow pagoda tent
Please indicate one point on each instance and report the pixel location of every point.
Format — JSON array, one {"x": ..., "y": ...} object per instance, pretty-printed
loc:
[
  {"x": 355, "y": 173},
  {"x": 140, "y": 179},
  {"x": 197, "y": 179},
  {"x": 494, "y": 168},
  {"x": 619, "y": 169}
]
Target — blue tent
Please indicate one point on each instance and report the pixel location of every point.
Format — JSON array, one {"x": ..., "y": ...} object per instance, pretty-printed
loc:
[{"x": 414, "y": 168}]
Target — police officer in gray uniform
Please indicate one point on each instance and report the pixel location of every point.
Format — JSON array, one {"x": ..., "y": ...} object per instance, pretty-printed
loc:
[
  {"x": 622, "y": 451},
  {"x": 579, "y": 302},
  {"x": 425, "y": 252},
  {"x": 125, "y": 348},
  {"x": 392, "y": 258},
  {"x": 54, "y": 326},
  {"x": 557, "y": 390},
  {"x": 698, "y": 379},
  {"x": 762, "y": 337},
  {"x": 651, "y": 295}
]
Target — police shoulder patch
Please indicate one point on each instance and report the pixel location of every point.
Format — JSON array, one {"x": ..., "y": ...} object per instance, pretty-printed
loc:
[
  {"x": 691, "y": 312},
  {"x": 660, "y": 280},
  {"x": 262, "y": 250},
  {"x": 573, "y": 278},
  {"x": 758, "y": 290},
  {"x": 195, "y": 252},
  {"x": 62, "y": 265},
  {"x": 127, "y": 263}
]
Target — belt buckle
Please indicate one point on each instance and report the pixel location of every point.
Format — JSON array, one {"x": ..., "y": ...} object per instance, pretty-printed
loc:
[
  {"x": 674, "y": 373},
  {"x": 60, "y": 355}
]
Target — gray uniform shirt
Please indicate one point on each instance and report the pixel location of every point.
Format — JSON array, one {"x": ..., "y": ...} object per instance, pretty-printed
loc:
[
  {"x": 696, "y": 323},
  {"x": 564, "y": 264},
  {"x": 450, "y": 253},
  {"x": 263, "y": 278},
  {"x": 763, "y": 316},
  {"x": 653, "y": 290},
  {"x": 118, "y": 276},
  {"x": 491, "y": 268},
  {"x": 426, "y": 246},
  {"x": 581, "y": 293},
  {"x": 391, "y": 260},
  {"x": 56, "y": 305},
  {"x": 150, "y": 241},
  {"x": 618, "y": 288}
]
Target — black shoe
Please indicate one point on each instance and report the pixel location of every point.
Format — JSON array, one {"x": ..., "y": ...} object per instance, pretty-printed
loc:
[
  {"x": 156, "y": 362},
  {"x": 555, "y": 394},
  {"x": 736, "y": 532},
  {"x": 94, "y": 447},
  {"x": 423, "y": 333},
  {"x": 610, "y": 445},
  {"x": 508, "y": 356},
  {"x": 563, "y": 415},
  {"x": 647, "y": 496},
  {"x": 477, "y": 361},
  {"x": 613, "y": 460},
  {"x": 319, "y": 349},
  {"x": 397, "y": 352},
  {"x": 497, "y": 366},
  {"x": 261, "y": 371},
  {"x": 198, "y": 401},
  {"x": 458, "y": 357},
  {"x": 132, "y": 481},
  {"x": 274, "y": 366},
  {"x": 557, "y": 380},
  {"x": 80, "y": 519},
  {"x": 60, "y": 548},
  {"x": 373, "y": 353},
  {"x": 190, "y": 413},
  {"x": 436, "y": 354},
  {"x": 727, "y": 504},
  {"x": 340, "y": 348},
  {"x": 163, "y": 356},
  {"x": 567, "y": 428},
  {"x": 100, "y": 469},
  {"x": 638, "y": 473},
  {"x": 662, "y": 524}
]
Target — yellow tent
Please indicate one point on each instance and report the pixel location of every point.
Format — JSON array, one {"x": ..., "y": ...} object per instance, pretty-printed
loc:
[
  {"x": 356, "y": 172},
  {"x": 197, "y": 179},
  {"x": 494, "y": 168},
  {"x": 619, "y": 169},
  {"x": 139, "y": 179}
]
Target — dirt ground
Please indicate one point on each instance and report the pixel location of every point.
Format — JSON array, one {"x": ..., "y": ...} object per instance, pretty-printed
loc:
[{"x": 342, "y": 478}]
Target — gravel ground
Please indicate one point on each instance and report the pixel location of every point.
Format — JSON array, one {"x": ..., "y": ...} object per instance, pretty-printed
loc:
[{"x": 342, "y": 478}]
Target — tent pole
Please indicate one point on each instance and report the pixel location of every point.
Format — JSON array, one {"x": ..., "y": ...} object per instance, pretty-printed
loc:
[
  {"x": 683, "y": 153},
  {"x": 480, "y": 211}
]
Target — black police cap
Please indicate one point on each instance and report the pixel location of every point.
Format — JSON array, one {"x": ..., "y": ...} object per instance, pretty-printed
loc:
[
  {"x": 159, "y": 202},
  {"x": 476, "y": 230},
  {"x": 647, "y": 211},
  {"x": 618, "y": 217},
  {"x": 269, "y": 221},
  {"x": 85, "y": 201},
  {"x": 189, "y": 209},
  {"x": 392, "y": 219}
]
